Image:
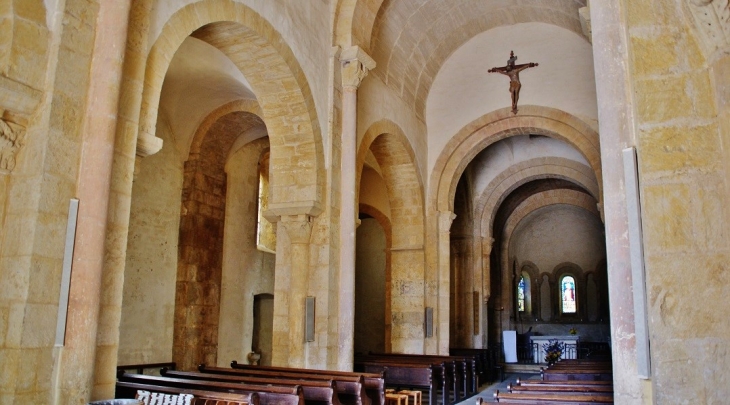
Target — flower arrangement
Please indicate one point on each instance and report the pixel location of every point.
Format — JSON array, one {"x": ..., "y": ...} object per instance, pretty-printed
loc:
[
  {"x": 553, "y": 351},
  {"x": 573, "y": 331}
]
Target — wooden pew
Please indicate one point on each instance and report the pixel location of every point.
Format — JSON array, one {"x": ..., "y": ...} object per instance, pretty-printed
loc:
[
  {"x": 583, "y": 374},
  {"x": 561, "y": 388},
  {"x": 553, "y": 398},
  {"x": 409, "y": 375},
  {"x": 201, "y": 397},
  {"x": 444, "y": 375},
  {"x": 566, "y": 383},
  {"x": 316, "y": 392},
  {"x": 268, "y": 395},
  {"x": 465, "y": 369},
  {"x": 482, "y": 355},
  {"x": 139, "y": 368},
  {"x": 373, "y": 383}
]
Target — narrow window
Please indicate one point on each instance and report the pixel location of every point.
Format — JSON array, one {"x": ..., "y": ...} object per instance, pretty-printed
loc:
[
  {"x": 265, "y": 235},
  {"x": 521, "y": 295},
  {"x": 567, "y": 290}
]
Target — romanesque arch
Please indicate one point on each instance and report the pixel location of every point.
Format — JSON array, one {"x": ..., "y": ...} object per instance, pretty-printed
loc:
[
  {"x": 275, "y": 76},
  {"x": 462, "y": 148},
  {"x": 501, "y": 124},
  {"x": 493, "y": 195},
  {"x": 390, "y": 147}
]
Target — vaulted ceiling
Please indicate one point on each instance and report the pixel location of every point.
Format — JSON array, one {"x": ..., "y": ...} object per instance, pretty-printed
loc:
[{"x": 411, "y": 40}]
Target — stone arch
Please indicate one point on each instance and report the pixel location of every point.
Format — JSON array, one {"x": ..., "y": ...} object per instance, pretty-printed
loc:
[
  {"x": 384, "y": 222},
  {"x": 489, "y": 201},
  {"x": 387, "y": 142},
  {"x": 501, "y": 124},
  {"x": 354, "y": 22},
  {"x": 544, "y": 199},
  {"x": 531, "y": 204},
  {"x": 397, "y": 160},
  {"x": 248, "y": 106},
  {"x": 276, "y": 78}
]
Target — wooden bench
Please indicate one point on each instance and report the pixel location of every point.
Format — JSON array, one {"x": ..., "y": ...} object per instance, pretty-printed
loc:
[
  {"x": 268, "y": 395},
  {"x": 316, "y": 392},
  {"x": 465, "y": 369},
  {"x": 139, "y": 368},
  {"x": 444, "y": 375},
  {"x": 567, "y": 383},
  {"x": 561, "y": 388},
  {"x": 559, "y": 374},
  {"x": 372, "y": 384},
  {"x": 553, "y": 398},
  {"x": 200, "y": 397},
  {"x": 409, "y": 375},
  {"x": 483, "y": 361}
]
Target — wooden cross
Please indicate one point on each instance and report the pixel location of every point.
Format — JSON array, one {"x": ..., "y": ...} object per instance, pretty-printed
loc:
[{"x": 513, "y": 71}]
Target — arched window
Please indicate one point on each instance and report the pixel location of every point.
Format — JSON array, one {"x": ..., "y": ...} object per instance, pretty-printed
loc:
[
  {"x": 521, "y": 295},
  {"x": 265, "y": 234},
  {"x": 567, "y": 294}
]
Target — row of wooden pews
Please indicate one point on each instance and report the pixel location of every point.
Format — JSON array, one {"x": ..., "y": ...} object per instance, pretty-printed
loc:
[
  {"x": 575, "y": 382},
  {"x": 456, "y": 378},
  {"x": 259, "y": 386}
]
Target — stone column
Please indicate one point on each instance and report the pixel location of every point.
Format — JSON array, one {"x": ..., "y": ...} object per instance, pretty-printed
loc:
[
  {"x": 615, "y": 117},
  {"x": 299, "y": 229},
  {"x": 441, "y": 312},
  {"x": 355, "y": 66},
  {"x": 92, "y": 329}
]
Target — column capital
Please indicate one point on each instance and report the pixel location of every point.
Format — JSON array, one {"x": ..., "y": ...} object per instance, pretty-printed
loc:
[
  {"x": 445, "y": 220},
  {"x": 11, "y": 140},
  {"x": 298, "y": 227},
  {"x": 355, "y": 66}
]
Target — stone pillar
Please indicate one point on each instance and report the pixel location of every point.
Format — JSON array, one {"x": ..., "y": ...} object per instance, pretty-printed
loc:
[
  {"x": 441, "y": 312},
  {"x": 355, "y": 66},
  {"x": 615, "y": 117},
  {"x": 299, "y": 230}
]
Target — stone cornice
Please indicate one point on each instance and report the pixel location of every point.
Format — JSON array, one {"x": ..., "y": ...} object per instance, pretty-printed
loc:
[{"x": 277, "y": 211}]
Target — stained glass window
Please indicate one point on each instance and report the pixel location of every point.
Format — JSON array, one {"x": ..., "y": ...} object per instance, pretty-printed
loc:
[
  {"x": 567, "y": 289},
  {"x": 521, "y": 295}
]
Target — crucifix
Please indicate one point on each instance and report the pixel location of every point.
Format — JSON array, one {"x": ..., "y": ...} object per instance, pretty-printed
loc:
[{"x": 513, "y": 71}]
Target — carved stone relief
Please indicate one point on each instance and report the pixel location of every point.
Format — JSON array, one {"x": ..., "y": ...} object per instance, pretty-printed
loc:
[{"x": 11, "y": 140}]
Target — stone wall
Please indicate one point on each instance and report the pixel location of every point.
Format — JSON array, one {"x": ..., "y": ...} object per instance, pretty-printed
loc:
[
  {"x": 370, "y": 292},
  {"x": 677, "y": 90},
  {"x": 148, "y": 304}
]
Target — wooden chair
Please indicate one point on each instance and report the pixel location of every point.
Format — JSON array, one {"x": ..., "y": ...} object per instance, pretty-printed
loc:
[
  {"x": 415, "y": 394},
  {"x": 396, "y": 399}
]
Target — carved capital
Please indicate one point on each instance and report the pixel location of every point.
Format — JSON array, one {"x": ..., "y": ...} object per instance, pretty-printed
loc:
[
  {"x": 712, "y": 20},
  {"x": 147, "y": 144},
  {"x": 298, "y": 227},
  {"x": 445, "y": 220},
  {"x": 355, "y": 66},
  {"x": 12, "y": 138}
]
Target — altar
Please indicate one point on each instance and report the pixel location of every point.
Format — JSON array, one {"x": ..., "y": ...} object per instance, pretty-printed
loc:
[{"x": 538, "y": 353}]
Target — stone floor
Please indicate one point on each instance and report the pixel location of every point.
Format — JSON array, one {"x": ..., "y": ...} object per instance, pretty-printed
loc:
[{"x": 487, "y": 391}]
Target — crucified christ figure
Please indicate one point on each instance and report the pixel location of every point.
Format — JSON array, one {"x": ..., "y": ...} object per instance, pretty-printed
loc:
[{"x": 513, "y": 71}]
